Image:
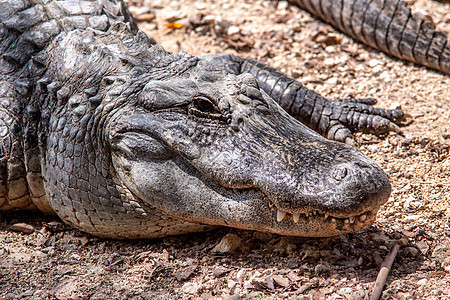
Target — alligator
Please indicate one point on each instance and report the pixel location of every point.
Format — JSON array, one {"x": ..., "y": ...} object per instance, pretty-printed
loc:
[{"x": 122, "y": 139}]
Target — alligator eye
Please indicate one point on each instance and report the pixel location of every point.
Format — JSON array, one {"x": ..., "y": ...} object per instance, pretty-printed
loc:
[
  {"x": 203, "y": 107},
  {"x": 203, "y": 104}
]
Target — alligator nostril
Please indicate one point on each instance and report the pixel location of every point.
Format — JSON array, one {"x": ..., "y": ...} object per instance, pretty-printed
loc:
[{"x": 339, "y": 172}]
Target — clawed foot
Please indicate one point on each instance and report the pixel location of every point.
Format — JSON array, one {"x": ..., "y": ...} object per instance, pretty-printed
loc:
[{"x": 341, "y": 117}]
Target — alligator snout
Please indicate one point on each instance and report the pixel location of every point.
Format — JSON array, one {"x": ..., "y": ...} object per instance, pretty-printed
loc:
[
  {"x": 332, "y": 198},
  {"x": 339, "y": 187},
  {"x": 356, "y": 187}
]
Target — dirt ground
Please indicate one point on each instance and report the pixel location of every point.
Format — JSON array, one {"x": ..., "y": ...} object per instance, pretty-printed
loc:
[{"x": 57, "y": 262}]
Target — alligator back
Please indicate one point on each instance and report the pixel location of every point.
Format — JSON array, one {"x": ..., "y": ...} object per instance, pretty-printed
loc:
[{"x": 26, "y": 28}]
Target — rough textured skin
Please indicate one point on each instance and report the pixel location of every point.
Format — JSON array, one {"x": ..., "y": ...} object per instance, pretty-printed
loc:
[
  {"x": 122, "y": 139},
  {"x": 386, "y": 25},
  {"x": 334, "y": 119}
]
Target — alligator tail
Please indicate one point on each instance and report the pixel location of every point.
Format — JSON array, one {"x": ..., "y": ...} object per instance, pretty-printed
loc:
[{"x": 386, "y": 25}]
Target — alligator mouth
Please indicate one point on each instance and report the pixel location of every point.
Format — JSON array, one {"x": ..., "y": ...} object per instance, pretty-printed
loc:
[{"x": 318, "y": 216}]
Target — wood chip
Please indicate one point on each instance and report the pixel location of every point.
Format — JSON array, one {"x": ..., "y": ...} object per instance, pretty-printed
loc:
[
  {"x": 220, "y": 272},
  {"x": 147, "y": 17},
  {"x": 281, "y": 280}
]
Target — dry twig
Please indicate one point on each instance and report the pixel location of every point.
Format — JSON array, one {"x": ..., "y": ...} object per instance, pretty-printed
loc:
[{"x": 384, "y": 271}]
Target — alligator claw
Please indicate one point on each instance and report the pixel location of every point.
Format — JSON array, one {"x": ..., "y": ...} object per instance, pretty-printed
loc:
[
  {"x": 350, "y": 141},
  {"x": 341, "y": 117},
  {"x": 394, "y": 128}
]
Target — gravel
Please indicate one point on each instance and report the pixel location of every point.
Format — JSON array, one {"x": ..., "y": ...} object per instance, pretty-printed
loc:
[{"x": 46, "y": 259}]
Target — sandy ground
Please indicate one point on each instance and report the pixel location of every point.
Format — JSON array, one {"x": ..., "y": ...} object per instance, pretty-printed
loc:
[{"x": 57, "y": 262}]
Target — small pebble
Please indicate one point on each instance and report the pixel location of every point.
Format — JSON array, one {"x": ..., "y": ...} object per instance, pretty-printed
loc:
[
  {"x": 413, "y": 251},
  {"x": 233, "y": 30},
  {"x": 147, "y": 17},
  {"x": 22, "y": 227},
  {"x": 200, "y": 5},
  {"x": 320, "y": 268},
  {"x": 422, "y": 281},
  {"x": 373, "y": 62},
  {"x": 229, "y": 243},
  {"x": 191, "y": 288}
]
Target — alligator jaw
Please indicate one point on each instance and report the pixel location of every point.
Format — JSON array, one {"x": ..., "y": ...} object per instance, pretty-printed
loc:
[{"x": 310, "y": 223}]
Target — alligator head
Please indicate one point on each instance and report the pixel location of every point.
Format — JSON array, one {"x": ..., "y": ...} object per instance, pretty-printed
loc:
[
  {"x": 197, "y": 144},
  {"x": 209, "y": 147}
]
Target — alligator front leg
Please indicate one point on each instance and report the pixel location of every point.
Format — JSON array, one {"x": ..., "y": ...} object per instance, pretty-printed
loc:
[{"x": 334, "y": 119}]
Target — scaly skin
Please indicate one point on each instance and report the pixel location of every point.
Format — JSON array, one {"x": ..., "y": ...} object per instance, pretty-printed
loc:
[
  {"x": 122, "y": 139},
  {"x": 386, "y": 25},
  {"x": 334, "y": 119}
]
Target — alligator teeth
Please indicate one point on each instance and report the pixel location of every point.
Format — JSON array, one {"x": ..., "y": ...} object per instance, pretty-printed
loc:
[
  {"x": 270, "y": 204},
  {"x": 280, "y": 215}
]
